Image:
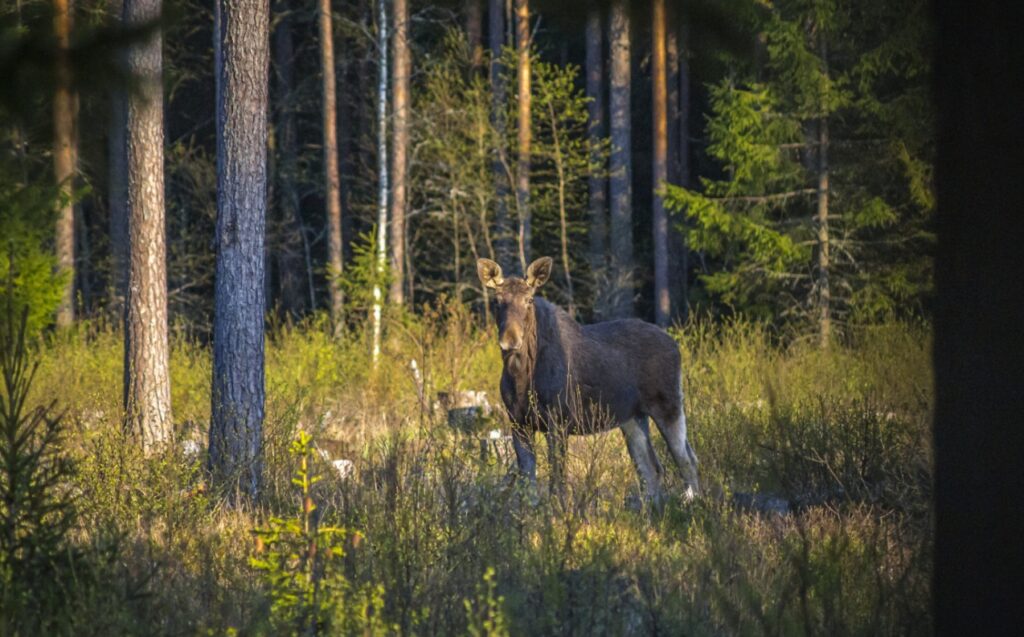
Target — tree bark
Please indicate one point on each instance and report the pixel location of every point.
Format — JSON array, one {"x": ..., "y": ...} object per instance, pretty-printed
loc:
[
  {"x": 291, "y": 244},
  {"x": 64, "y": 159},
  {"x": 117, "y": 187},
  {"x": 824, "y": 286},
  {"x": 659, "y": 167},
  {"x": 332, "y": 179},
  {"x": 241, "y": 52},
  {"x": 679, "y": 158},
  {"x": 979, "y": 310},
  {"x": 496, "y": 40},
  {"x": 523, "y": 164},
  {"x": 597, "y": 181},
  {"x": 620, "y": 163},
  {"x": 147, "y": 382},
  {"x": 400, "y": 71},
  {"x": 474, "y": 32},
  {"x": 382, "y": 183}
]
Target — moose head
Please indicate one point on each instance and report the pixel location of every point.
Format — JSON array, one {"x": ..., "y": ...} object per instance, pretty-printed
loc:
[{"x": 514, "y": 299}]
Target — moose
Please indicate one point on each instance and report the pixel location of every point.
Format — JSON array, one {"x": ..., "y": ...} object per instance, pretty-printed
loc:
[{"x": 560, "y": 378}]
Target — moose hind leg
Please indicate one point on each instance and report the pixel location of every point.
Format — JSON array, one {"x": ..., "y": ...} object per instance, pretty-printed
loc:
[
  {"x": 638, "y": 443},
  {"x": 558, "y": 442},
  {"x": 672, "y": 425}
]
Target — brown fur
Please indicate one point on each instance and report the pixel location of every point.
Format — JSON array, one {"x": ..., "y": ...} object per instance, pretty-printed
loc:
[{"x": 561, "y": 377}]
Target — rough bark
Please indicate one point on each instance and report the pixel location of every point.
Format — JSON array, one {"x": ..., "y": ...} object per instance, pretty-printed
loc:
[
  {"x": 979, "y": 310},
  {"x": 64, "y": 159},
  {"x": 241, "y": 51},
  {"x": 400, "y": 70},
  {"x": 620, "y": 188},
  {"x": 496, "y": 39},
  {"x": 659, "y": 167},
  {"x": 597, "y": 181},
  {"x": 332, "y": 179},
  {"x": 147, "y": 382},
  {"x": 382, "y": 182},
  {"x": 291, "y": 240},
  {"x": 523, "y": 130}
]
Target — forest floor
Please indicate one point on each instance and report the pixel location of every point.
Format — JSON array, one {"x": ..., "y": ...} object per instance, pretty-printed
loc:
[{"x": 815, "y": 517}]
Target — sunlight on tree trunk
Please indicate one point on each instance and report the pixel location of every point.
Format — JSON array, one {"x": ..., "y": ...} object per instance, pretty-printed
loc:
[
  {"x": 64, "y": 159},
  {"x": 382, "y": 192},
  {"x": 659, "y": 168},
  {"x": 523, "y": 168},
  {"x": 332, "y": 179},
  {"x": 401, "y": 68},
  {"x": 147, "y": 383}
]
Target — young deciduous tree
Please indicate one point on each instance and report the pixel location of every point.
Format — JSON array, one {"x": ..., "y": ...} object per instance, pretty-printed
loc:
[
  {"x": 147, "y": 383},
  {"x": 241, "y": 52},
  {"x": 382, "y": 180}
]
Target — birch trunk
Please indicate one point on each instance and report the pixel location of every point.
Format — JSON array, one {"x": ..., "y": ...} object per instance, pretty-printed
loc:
[{"x": 382, "y": 193}]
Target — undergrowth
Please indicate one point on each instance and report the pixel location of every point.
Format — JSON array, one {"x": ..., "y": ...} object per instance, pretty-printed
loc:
[{"x": 425, "y": 536}]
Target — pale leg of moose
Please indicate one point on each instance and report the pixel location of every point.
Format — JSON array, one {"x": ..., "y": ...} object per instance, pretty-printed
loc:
[
  {"x": 639, "y": 445},
  {"x": 673, "y": 429},
  {"x": 526, "y": 459}
]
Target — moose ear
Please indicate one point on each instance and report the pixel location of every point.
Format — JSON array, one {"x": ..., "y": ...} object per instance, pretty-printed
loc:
[
  {"x": 489, "y": 273},
  {"x": 539, "y": 272}
]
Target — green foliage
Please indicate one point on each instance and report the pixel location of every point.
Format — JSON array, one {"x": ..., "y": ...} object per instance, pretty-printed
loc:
[
  {"x": 485, "y": 615},
  {"x": 36, "y": 514},
  {"x": 364, "y": 273},
  {"x": 302, "y": 565},
  {"x": 28, "y": 277},
  {"x": 862, "y": 69}
]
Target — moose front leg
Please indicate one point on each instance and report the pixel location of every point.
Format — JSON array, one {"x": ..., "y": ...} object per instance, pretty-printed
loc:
[{"x": 526, "y": 458}]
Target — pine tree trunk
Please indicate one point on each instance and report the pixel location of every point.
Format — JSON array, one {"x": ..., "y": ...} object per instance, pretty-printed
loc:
[
  {"x": 241, "y": 51},
  {"x": 620, "y": 164},
  {"x": 679, "y": 155},
  {"x": 823, "y": 284},
  {"x": 382, "y": 183},
  {"x": 496, "y": 40},
  {"x": 332, "y": 179},
  {"x": 117, "y": 187},
  {"x": 400, "y": 71},
  {"x": 474, "y": 32},
  {"x": 291, "y": 244},
  {"x": 597, "y": 181},
  {"x": 64, "y": 159},
  {"x": 147, "y": 382},
  {"x": 659, "y": 167},
  {"x": 523, "y": 164}
]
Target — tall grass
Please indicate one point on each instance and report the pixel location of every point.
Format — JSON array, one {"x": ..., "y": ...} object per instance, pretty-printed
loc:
[{"x": 840, "y": 435}]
